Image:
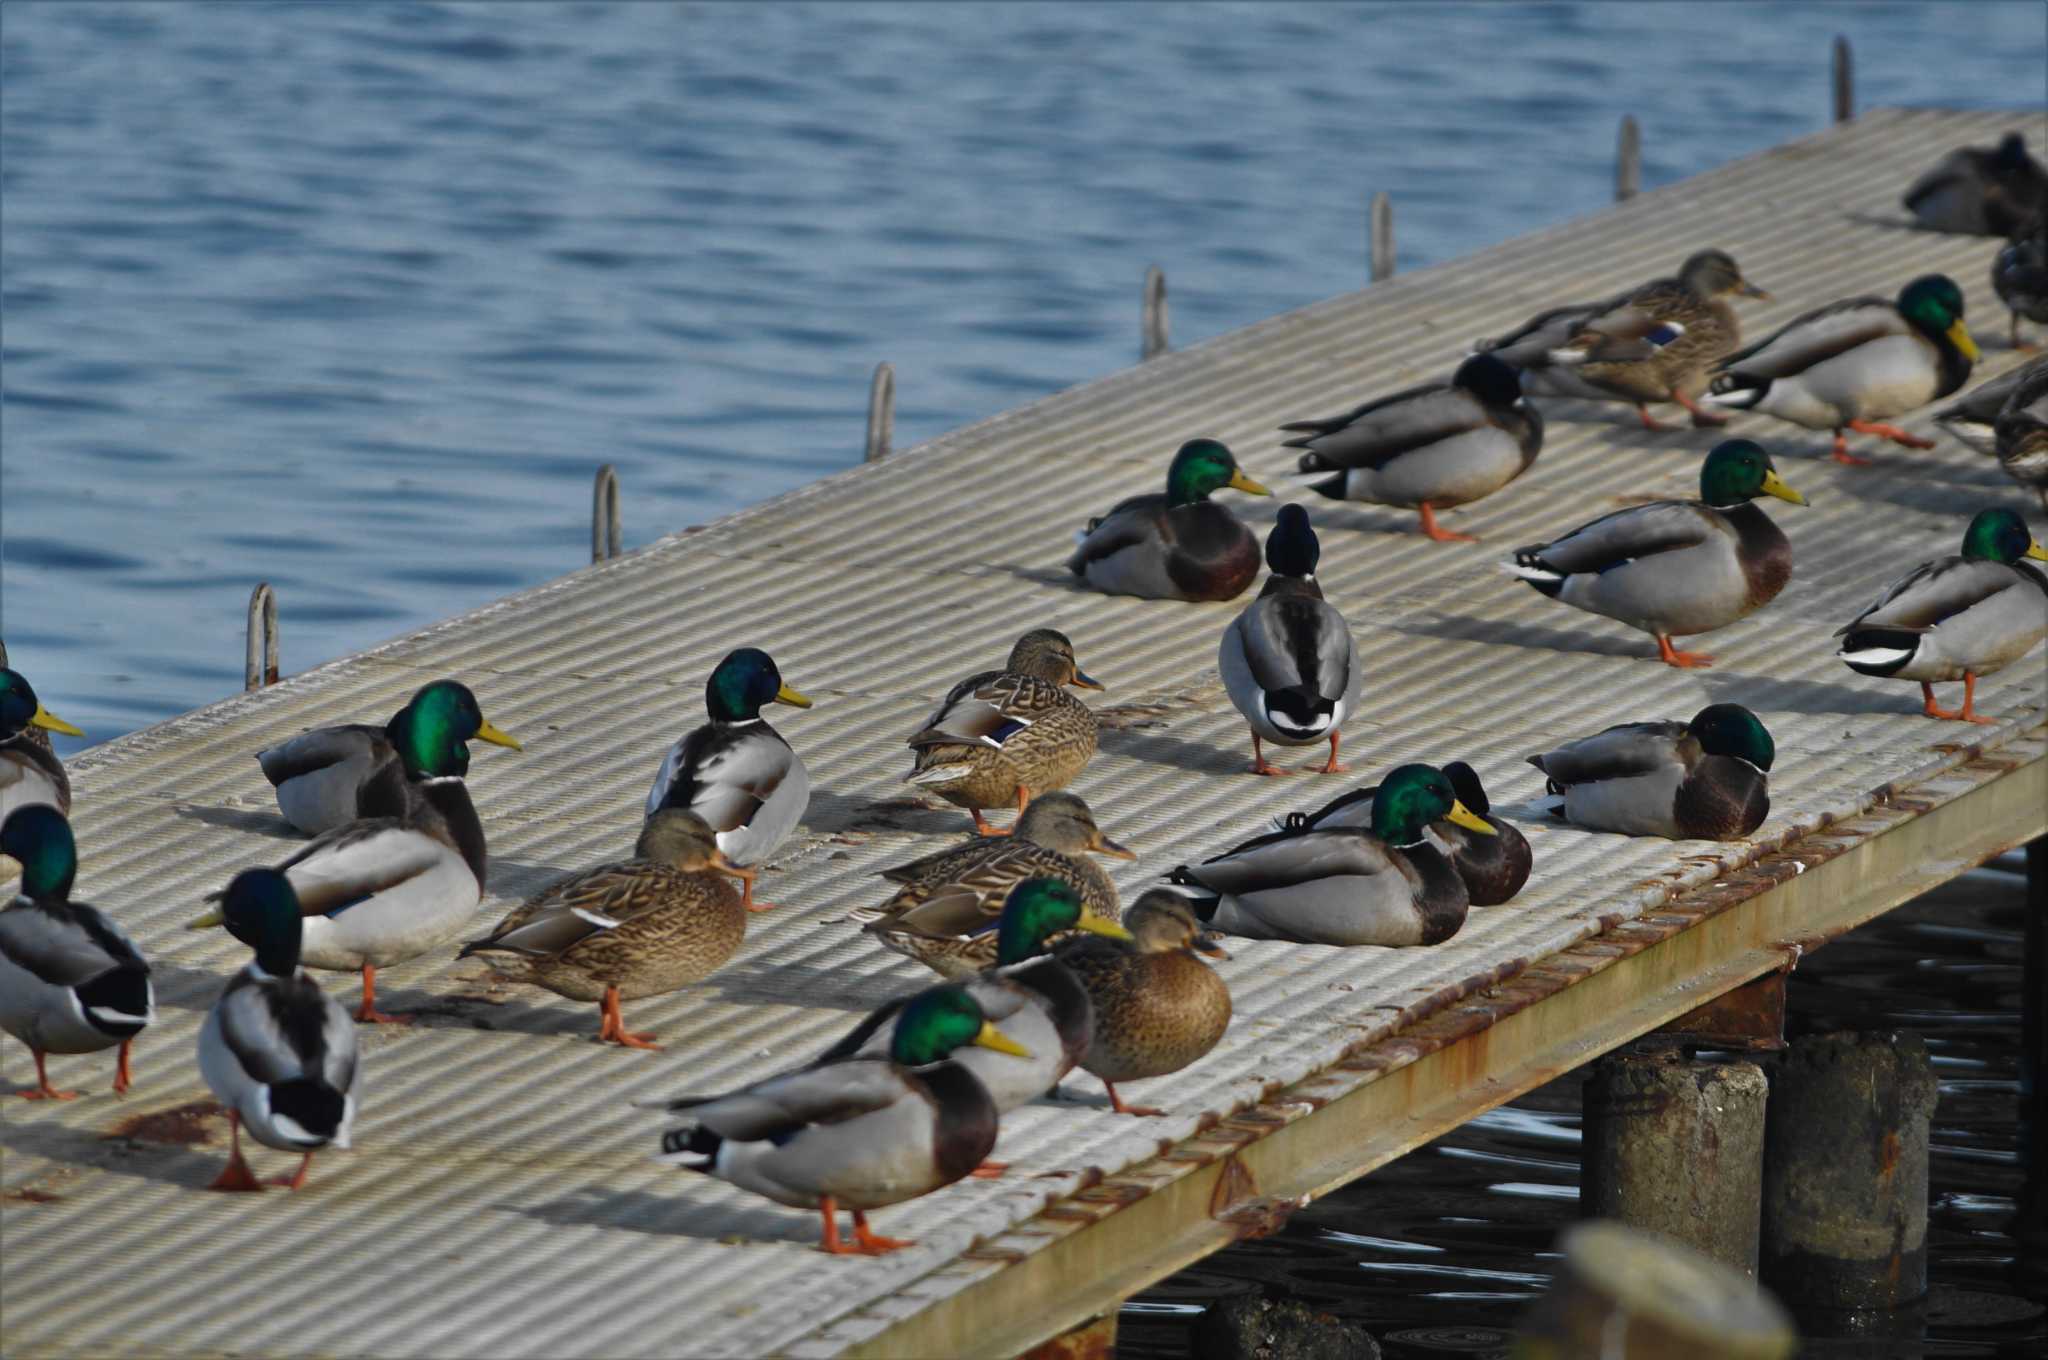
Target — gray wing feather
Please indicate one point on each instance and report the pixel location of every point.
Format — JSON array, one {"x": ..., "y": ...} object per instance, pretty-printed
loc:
[
  {"x": 815, "y": 1095},
  {"x": 1622, "y": 752},
  {"x": 1818, "y": 336},
  {"x": 1294, "y": 860},
  {"x": 1626, "y": 535},
  {"x": 54, "y": 950}
]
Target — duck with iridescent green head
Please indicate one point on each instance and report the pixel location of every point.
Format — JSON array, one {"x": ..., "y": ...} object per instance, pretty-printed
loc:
[
  {"x": 30, "y": 772},
  {"x": 736, "y": 772},
  {"x": 1388, "y": 884},
  {"x": 320, "y": 775},
  {"x": 1854, "y": 364},
  {"x": 1675, "y": 568},
  {"x": 1708, "y": 779},
  {"x": 1958, "y": 617},
  {"x": 1178, "y": 545},
  {"x": 405, "y": 878}
]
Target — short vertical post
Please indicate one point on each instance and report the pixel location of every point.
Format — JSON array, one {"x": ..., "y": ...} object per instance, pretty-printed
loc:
[
  {"x": 2030, "y": 1225},
  {"x": 259, "y": 660},
  {"x": 1628, "y": 160},
  {"x": 1382, "y": 237},
  {"x": 604, "y": 514},
  {"x": 1845, "y": 81},
  {"x": 1618, "y": 1293},
  {"x": 881, "y": 413},
  {"x": 1153, "y": 334}
]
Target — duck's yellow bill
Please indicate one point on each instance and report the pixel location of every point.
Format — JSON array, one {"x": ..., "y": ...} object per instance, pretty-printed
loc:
[
  {"x": 1774, "y": 485},
  {"x": 1102, "y": 925},
  {"x": 497, "y": 736},
  {"x": 1470, "y": 820},
  {"x": 1239, "y": 482},
  {"x": 991, "y": 1037},
  {"x": 2037, "y": 551},
  {"x": 207, "y": 922},
  {"x": 786, "y": 695},
  {"x": 44, "y": 718},
  {"x": 1959, "y": 336},
  {"x": 1105, "y": 846}
]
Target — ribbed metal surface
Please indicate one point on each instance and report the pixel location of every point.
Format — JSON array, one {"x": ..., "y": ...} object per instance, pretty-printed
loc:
[{"x": 500, "y": 1200}]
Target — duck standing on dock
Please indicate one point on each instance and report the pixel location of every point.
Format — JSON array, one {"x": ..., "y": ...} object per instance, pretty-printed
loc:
[
  {"x": 1033, "y": 996},
  {"x": 1973, "y": 417},
  {"x": 1494, "y": 867},
  {"x": 30, "y": 772},
  {"x": 1176, "y": 546},
  {"x": 1675, "y": 568},
  {"x": 1854, "y": 364},
  {"x": 1707, "y": 779},
  {"x": 2020, "y": 433},
  {"x": 1428, "y": 448},
  {"x": 944, "y": 914},
  {"x": 1288, "y": 660},
  {"x": 277, "y": 1051},
  {"x": 1981, "y": 190},
  {"x": 320, "y": 775},
  {"x": 1002, "y": 737},
  {"x": 640, "y": 927},
  {"x": 403, "y": 880},
  {"x": 1959, "y": 617},
  {"x": 1388, "y": 885},
  {"x": 1157, "y": 1008},
  {"x": 2019, "y": 275},
  {"x": 71, "y": 981},
  {"x": 736, "y": 772},
  {"x": 857, "y": 1132}
]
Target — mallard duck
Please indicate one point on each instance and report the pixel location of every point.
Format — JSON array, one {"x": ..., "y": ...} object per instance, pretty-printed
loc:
[
  {"x": 736, "y": 772},
  {"x": 857, "y": 1132},
  {"x": 70, "y": 980},
  {"x": 403, "y": 882},
  {"x": 1388, "y": 885},
  {"x": 1980, "y": 190},
  {"x": 2020, "y": 433},
  {"x": 277, "y": 1051},
  {"x": 1675, "y": 567},
  {"x": 1973, "y": 417},
  {"x": 945, "y": 913},
  {"x": 1703, "y": 780},
  {"x": 1036, "y": 999},
  {"x": 1855, "y": 363},
  {"x": 1288, "y": 660},
  {"x": 1157, "y": 1007},
  {"x": 320, "y": 775},
  {"x": 1957, "y": 617},
  {"x": 30, "y": 772},
  {"x": 1494, "y": 867},
  {"x": 2019, "y": 275},
  {"x": 1430, "y": 447},
  {"x": 1654, "y": 341},
  {"x": 636, "y": 928},
  {"x": 1177, "y": 546},
  {"x": 1005, "y": 736}
]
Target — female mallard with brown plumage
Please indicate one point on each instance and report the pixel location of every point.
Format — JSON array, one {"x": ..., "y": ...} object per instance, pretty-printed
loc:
[
  {"x": 2019, "y": 436},
  {"x": 1001, "y": 737},
  {"x": 637, "y": 928},
  {"x": 1981, "y": 190},
  {"x": 2019, "y": 275},
  {"x": 944, "y": 913},
  {"x": 1707, "y": 779},
  {"x": 1494, "y": 867},
  {"x": 1176, "y": 546}
]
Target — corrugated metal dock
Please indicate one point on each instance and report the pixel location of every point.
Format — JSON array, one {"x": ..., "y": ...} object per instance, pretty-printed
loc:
[{"x": 501, "y": 1201}]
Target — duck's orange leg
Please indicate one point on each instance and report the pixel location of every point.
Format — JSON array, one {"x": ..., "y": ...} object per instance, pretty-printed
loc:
[
  {"x": 1891, "y": 432},
  {"x": 123, "y": 1078},
  {"x": 1967, "y": 713},
  {"x": 989, "y": 1171},
  {"x": 1842, "y": 454},
  {"x": 367, "y": 1013},
  {"x": 983, "y": 826},
  {"x": 43, "y": 1090},
  {"x": 1671, "y": 656},
  {"x": 297, "y": 1180},
  {"x": 1650, "y": 422},
  {"x": 830, "y": 1243},
  {"x": 1116, "y": 1102},
  {"x": 612, "y": 1029},
  {"x": 1260, "y": 765},
  {"x": 746, "y": 878},
  {"x": 1702, "y": 418},
  {"x": 236, "y": 1175},
  {"x": 1329, "y": 766},
  {"x": 1432, "y": 530},
  {"x": 871, "y": 1244}
]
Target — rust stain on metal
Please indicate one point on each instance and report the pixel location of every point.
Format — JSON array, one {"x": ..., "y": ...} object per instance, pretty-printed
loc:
[
  {"x": 1888, "y": 1155},
  {"x": 1094, "y": 1339},
  {"x": 1750, "y": 1018},
  {"x": 29, "y": 1195},
  {"x": 1003, "y": 1256}
]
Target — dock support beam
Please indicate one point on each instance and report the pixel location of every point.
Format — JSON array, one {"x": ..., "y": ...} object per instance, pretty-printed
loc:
[
  {"x": 2030, "y": 1225},
  {"x": 259, "y": 656},
  {"x": 604, "y": 515},
  {"x": 1094, "y": 1339},
  {"x": 1845, "y": 1176},
  {"x": 1152, "y": 332},
  {"x": 1382, "y": 232},
  {"x": 1676, "y": 1146},
  {"x": 881, "y": 413},
  {"x": 1628, "y": 160}
]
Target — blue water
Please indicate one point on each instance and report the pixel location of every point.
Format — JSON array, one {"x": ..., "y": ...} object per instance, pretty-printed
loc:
[{"x": 354, "y": 298}]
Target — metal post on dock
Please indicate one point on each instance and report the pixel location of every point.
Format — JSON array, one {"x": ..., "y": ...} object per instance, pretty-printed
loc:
[
  {"x": 1382, "y": 237},
  {"x": 881, "y": 413},
  {"x": 1628, "y": 160},
  {"x": 259, "y": 659},
  {"x": 1152, "y": 337},
  {"x": 1845, "y": 81},
  {"x": 604, "y": 514}
]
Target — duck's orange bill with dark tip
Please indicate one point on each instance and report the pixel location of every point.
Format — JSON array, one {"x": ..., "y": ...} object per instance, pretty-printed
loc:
[
  {"x": 1083, "y": 680},
  {"x": 786, "y": 695},
  {"x": 1105, "y": 846},
  {"x": 1206, "y": 944}
]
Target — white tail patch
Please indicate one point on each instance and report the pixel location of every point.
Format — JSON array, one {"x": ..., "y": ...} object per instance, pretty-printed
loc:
[
  {"x": 938, "y": 774},
  {"x": 1529, "y": 573},
  {"x": 114, "y": 1017},
  {"x": 696, "y": 1161},
  {"x": 598, "y": 919},
  {"x": 1566, "y": 358},
  {"x": 1876, "y": 656},
  {"x": 1740, "y": 399}
]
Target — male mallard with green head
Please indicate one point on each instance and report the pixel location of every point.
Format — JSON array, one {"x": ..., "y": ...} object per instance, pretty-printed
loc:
[
  {"x": 1494, "y": 867},
  {"x": 1854, "y": 364},
  {"x": 855, "y": 1132},
  {"x": 1958, "y": 617},
  {"x": 1000, "y": 738},
  {"x": 1288, "y": 661},
  {"x": 1176, "y": 546},
  {"x": 30, "y": 772},
  {"x": 1675, "y": 568},
  {"x": 1701, "y": 780},
  {"x": 71, "y": 981},
  {"x": 1387, "y": 886},
  {"x": 640, "y": 927},
  {"x": 320, "y": 775}
]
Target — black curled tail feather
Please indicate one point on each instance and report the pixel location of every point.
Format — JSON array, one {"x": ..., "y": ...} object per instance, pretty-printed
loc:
[
  {"x": 1543, "y": 578},
  {"x": 1749, "y": 390},
  {"x": 117, "y": 992},
  {"x": 691, "y": 1140},
  {"x": 1903, "y": 640},
  {"x": 314, "y": 1106}
]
